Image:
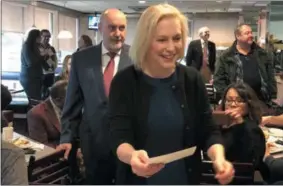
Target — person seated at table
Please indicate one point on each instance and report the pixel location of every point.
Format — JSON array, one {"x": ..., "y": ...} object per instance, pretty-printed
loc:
[
  {"x": 6, "y": 99},
  {"x": 273, "y": 120},
  {"x": 44, "y": 118},
  {"x": 244, "y": 140},
  {"x": 275, "y": 166},
  {"x": 13, "y": 165},
  {"x": 64, "y": 75}
]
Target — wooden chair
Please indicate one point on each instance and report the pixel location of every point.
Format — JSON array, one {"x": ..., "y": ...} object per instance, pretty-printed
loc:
[
  {"x": 50, "y": 170},
  {"x": 244, "y": 173}
]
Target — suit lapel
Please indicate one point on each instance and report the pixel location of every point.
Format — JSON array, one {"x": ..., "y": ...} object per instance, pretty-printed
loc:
[
  {"x": 200, "y": 50},
  {"x": 51, "y": 115},
  {"x": 95, "y": 61},
  {"x": 124, "y": 58}
]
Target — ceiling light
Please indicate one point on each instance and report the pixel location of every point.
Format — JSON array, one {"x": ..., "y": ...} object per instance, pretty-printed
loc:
[
  {"x": 218, "y": 1},
  {"x": 142, "y": 2},
  {"x": 65, "y": 34}
]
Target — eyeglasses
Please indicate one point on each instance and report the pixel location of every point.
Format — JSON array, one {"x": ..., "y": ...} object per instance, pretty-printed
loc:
[{"x": 237, "y": 102}]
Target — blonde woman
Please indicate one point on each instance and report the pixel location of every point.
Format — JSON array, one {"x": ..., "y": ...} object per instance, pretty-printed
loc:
[
  {"x": 66, "y": 69},
  {"x": 159, "y": 106}
]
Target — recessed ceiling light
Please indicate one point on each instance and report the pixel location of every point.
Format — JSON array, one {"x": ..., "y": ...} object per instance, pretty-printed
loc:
[
  {"x": 219, "y": 1},
  {"x": 142, "y": 2}
]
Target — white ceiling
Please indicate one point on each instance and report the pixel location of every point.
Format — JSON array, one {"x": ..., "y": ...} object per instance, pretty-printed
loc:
[{"x": 187, "y": 6}]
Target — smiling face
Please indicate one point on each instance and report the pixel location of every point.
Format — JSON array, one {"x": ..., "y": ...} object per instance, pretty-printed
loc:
[{"x": 166, "y": 46}]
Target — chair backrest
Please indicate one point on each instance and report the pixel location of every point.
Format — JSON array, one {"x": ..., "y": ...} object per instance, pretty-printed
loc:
[
  {"x": 52, "y": 169},
  {"x": 34, "y": 102},
  {"x": 244, "y": 173},
  {"x": 8, "y": 115},
  {"x": 211, "y": 92}
]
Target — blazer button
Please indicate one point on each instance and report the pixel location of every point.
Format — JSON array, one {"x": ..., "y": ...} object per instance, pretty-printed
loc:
[
  {"x": 190, "y": 170},
  {"x": 187, "y": 128},
  {"x": 182, "y": 106},
  {"x": 173, "y": 87}
]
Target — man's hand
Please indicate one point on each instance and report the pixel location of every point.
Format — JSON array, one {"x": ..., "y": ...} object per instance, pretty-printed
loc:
[{"x": 66, "y": 147}]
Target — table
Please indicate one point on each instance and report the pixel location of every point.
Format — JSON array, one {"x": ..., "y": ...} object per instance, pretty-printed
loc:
[
  {"x": 38, "y": 154},
  {"x": 273, "y": 138}
]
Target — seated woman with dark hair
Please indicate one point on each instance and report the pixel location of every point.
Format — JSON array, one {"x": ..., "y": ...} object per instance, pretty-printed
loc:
[{"x": 244, "y": 140}]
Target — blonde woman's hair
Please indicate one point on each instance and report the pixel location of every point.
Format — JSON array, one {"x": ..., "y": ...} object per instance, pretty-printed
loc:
[
  {"x": 147, "y": 26},
  {"x": 65, "y": 72}
]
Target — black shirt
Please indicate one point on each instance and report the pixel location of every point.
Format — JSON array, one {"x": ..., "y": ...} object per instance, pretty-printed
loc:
[{"x": 251, "y": 74}]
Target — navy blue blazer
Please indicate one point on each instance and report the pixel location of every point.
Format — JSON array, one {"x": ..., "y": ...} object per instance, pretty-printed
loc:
[{"x": 86, "y": 104}]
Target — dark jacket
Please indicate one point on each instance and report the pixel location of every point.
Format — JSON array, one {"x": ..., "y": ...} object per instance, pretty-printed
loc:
[
  {"x": 6, "y": 97},
  {"x": 86, "y": 105},
  {"x": 43, "y": 124},
  {"x": 226, "y": 68},
  {"x": 129, "y": 103},
  {"x": 244, "y": 142},
  {"x": 275, "y": 167},
  {"x": 194, "y": 55}
]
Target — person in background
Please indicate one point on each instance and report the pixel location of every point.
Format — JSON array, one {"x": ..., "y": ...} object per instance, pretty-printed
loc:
[
  {"x": 13, "y": 165},
  {"x": 159, "y": 106},
  {"x": 44, "y": 119},
  {"x": 273, "y": 120},
  {"x": 201, "y": 54},
  {"x": 64, "y": 75},
  {"x": 6, "y": 97},
  {"x": 84, "y": 42},
  {"x": 244, "y": 140},
  {"x": 50, "y": 61},
  {"x": 31, "y": 66},
  {"x": 246, "y": 62},
  {"x": 92, "y": 71}
]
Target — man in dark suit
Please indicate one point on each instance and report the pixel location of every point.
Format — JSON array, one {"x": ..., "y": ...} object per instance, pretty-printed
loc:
[
  {"x": 86, "y": 106},
  {"x": 201, "y": 54},
  {"x": 44, "y": 118}
]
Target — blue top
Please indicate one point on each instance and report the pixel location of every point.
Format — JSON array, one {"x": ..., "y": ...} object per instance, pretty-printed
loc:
[{"x": 165, "y": 131}]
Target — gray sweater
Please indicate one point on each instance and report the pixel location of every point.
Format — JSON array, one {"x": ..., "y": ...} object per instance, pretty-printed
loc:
[{"x": 13, "y": 165}]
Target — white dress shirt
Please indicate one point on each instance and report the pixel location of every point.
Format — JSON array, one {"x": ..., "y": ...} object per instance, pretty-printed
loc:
[
  {"x": 57, "y": 110},
  {"x": 106, "y": 59}
]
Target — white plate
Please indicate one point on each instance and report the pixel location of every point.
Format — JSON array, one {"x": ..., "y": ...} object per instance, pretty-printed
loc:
[
  {"x": 276, "y": 132},
  {"x": 22, "y": 145}
]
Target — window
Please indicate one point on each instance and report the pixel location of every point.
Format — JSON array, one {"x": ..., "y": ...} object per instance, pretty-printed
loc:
[
  {"x": 11, "y": 51},
  {"x": 67, "y": 46}
]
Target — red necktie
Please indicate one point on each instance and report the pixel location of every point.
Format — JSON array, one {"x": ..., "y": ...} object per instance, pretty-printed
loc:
[
  {"x": 205, "y": 56},
  {"x": 108, "y": 73}
]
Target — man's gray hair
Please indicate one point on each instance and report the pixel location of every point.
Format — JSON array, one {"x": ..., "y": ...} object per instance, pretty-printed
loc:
[{"x": 202, "y": 30}]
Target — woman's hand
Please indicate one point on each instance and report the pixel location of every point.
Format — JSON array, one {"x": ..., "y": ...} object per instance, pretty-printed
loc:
[
  {"x": 236, "y": 115},
  {"x": 140, "y": 166},
  {"x": 265, "y": 120},
  {"x": 224, "y": 171}
]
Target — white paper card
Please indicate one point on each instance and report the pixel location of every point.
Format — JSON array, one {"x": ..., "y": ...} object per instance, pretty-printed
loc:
[{"x": 168, "y": 158}]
